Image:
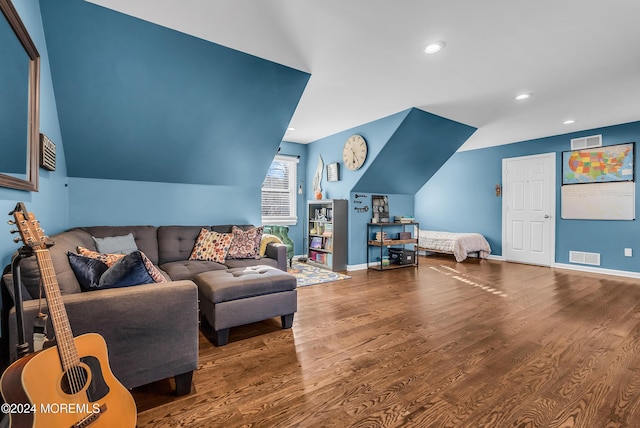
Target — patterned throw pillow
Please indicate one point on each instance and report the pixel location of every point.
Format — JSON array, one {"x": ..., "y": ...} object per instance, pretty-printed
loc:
[
  {"x": 107, "y": 259},
  {"x": 154, "y": 272},
  {"x": 211, "y": 246},
  {"x": 245, "y": 243}
]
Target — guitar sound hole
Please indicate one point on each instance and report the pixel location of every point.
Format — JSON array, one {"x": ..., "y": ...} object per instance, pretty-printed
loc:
[{"x": 74, "y": 380}]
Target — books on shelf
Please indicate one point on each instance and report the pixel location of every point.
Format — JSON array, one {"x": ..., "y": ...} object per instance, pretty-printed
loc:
[
  {"x": 316, "y": 242},
  {"x": 324, "y": 258},
  {"x": 404, "y": 219},
  {"x": 323, "y": 214},
  {"x": 382, "y": 236}
]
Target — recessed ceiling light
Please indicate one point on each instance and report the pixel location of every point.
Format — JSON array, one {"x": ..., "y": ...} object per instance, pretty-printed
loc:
[
  {"x": 291, "y": 128},
  {"x": 434, "y": 47},
  {"x": 521, "y": 97},
  {"x": 569, "y": 122}
]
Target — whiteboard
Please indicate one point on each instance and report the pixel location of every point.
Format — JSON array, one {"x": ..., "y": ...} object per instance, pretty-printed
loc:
[{"x": 599, "y": 201}]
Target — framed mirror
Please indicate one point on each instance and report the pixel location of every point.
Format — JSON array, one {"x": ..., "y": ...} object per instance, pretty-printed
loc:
[{"x": 19, "y": 103}]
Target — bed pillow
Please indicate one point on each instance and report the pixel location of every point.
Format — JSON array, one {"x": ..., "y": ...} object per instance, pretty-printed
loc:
[
  {"x": 129, "y": 270},
  {"x": 88, "y": 270},
  {"x": 245, "y": 243},
  {"x": 211, "y": 246},
  {"x": 124, "y": 244}
]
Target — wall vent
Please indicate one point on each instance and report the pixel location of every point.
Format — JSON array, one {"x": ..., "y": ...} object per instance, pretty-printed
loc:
[
  {"x": 584, "y": 258},
  {"x": 586, "y": 142}
]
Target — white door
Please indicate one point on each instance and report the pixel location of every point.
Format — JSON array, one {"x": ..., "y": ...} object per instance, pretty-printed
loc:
[{"x": 529, "y": 208}]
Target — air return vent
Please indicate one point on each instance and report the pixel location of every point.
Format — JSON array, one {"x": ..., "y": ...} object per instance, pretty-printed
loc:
[
  {"x": 584, "y": 258},
  {"x": 586, "y": 142}
]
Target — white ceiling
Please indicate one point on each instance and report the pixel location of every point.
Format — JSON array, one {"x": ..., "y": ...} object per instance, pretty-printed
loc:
[{"x": 579, "y": 58}]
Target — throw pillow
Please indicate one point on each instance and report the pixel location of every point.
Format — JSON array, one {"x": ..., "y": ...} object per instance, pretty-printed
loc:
[
  {"x": 211, "y": 246},
  {"x": 245, "y": 243},
  {"x": 129, "y": 270},
  {"x": 87, "y": 270},
  {"x": 268, "y": 239},
  {"x": 108, "y": 259},
  {"x": 124, "y": 244},
  {"x": 154, "y": 272}
]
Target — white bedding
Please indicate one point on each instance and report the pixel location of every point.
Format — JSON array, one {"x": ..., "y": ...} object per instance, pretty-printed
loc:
[{"x": 458, "y": 244}]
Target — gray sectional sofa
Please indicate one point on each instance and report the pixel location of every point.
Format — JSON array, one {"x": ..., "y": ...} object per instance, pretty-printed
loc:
[{"x": 151, "y": 330}]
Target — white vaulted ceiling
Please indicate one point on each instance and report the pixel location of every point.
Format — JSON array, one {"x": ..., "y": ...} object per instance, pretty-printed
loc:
[{"x": 578, "y": 58}]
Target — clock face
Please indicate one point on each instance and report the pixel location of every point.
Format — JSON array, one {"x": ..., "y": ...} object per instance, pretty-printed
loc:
[{"x": 355, "y": 152}]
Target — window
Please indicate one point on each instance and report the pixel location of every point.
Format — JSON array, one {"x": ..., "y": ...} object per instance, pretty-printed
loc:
[{"x": 279, "y": 192}]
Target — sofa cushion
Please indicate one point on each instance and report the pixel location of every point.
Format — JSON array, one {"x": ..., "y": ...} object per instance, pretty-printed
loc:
[
  {"x": 128, "y": 271},
  {"x": 211, "y": 246},
  {"x": 242, "y": 263},
  {"x": 146, "y": 237},
  {"x": 245, "y": 243},
  {"x": 175, "y": 243},
  {"x": 187, "y": 269},
  {"x": 124, "y": 244},
  {"x": 64, "y": 243}
]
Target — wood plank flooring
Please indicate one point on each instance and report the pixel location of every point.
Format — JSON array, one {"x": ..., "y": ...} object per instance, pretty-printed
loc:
[{"x": 475, "y": 344}]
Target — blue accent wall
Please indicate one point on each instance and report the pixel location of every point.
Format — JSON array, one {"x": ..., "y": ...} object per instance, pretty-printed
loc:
[
  {"x": 415, "y": 151},
  {"x": 461, "y": 198},
  {"x": 141, "y": 102},
  {"x": 50, "y": 204},
  {"x": 96, "y": 202}
]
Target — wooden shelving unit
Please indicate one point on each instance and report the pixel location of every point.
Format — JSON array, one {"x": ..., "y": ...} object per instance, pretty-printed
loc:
[{"x": 380, "y": 230}]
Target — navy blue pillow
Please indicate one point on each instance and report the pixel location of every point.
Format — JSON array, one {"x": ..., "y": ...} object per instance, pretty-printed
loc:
[
  {"x": 129, "y": 270},
  {"x": 88, "y": 270}
]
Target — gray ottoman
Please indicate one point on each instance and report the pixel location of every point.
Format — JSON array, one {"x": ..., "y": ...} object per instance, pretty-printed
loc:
[{"x": 233, "y": 297}]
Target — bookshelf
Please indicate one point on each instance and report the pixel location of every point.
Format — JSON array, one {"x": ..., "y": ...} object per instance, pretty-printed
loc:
[{"x": 327, "y": 236}]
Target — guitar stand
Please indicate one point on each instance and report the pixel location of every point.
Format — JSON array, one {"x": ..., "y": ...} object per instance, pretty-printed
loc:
[{"x": 22, "y": 348}]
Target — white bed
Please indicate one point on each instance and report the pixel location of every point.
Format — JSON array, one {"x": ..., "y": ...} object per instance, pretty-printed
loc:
[{"x": 458, "y": 244}]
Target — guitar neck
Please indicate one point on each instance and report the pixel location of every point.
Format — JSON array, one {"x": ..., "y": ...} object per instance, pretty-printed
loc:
[{"x": 61, "y": 326}]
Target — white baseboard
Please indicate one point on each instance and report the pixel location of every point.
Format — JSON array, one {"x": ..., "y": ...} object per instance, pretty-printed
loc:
[
  {"x": 581, "y": 268},
  {"x": 361, "y": 266}
]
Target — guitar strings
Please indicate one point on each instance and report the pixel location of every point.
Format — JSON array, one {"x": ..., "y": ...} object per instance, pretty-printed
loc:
[{"x": 76, "y": 375}]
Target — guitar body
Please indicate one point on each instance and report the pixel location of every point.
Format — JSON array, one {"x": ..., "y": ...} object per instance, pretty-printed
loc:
[{"x": 40, "y": 391}]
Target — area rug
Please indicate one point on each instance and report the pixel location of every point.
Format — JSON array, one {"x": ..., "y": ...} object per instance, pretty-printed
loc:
[{"x": 310, "y": 275}]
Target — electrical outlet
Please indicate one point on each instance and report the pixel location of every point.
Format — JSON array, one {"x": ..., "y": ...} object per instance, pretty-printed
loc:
[{"x": 628, "y": 252}]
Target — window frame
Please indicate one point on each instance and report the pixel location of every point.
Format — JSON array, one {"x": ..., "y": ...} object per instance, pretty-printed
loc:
[{"x": 292, "y": 218}]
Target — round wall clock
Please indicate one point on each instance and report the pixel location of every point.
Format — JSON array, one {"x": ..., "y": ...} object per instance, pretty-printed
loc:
[{"x": 355, "y": 152}]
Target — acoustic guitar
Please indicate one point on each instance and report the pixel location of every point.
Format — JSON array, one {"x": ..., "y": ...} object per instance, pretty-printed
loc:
[{"x": 70, "y": 384}]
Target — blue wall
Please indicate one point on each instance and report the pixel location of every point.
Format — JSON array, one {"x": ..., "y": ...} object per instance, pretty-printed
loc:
[
  {"x": 142, "y": 102},
  {"x": 376, "y": 134},
  {"x": 461, "y": 198},
  {"x": 50, "y": 204}
]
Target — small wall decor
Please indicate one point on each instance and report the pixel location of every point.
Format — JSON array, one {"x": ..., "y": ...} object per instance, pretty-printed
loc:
[
  {"x": 47, "y": 153},
  {"x": 333, "y": 171},
  {"x": 317, "y": 179},
  {"x": 380, "y": 208}
]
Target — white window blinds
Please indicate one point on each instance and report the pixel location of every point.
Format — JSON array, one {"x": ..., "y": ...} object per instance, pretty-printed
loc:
[{"x": 279, "y": 192}]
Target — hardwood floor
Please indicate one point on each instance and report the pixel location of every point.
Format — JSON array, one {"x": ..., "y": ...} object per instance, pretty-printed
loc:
[{"x": 474, "y": 344}]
